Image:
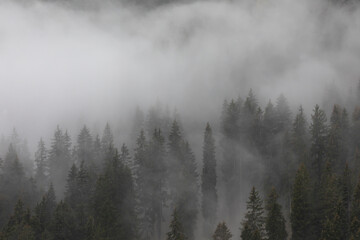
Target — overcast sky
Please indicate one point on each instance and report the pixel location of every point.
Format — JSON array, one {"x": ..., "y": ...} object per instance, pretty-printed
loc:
[{"x": 64, "y": 66}]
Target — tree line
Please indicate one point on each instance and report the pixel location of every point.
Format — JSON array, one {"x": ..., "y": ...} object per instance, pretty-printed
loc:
[{"x": 91, "y": 189}]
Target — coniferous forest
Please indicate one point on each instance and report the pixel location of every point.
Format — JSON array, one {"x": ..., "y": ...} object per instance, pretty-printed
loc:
[
  {"x": 179, "y": 120},
  {"x": 88, "y": 187}
]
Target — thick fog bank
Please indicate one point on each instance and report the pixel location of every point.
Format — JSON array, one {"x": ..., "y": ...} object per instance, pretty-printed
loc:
[{"x": 64, "y": 65}]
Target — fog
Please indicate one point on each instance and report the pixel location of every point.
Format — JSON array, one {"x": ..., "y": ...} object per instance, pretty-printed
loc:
[
  {"x": 74, "y": 63},
  {"x": 59, "y": 64}
]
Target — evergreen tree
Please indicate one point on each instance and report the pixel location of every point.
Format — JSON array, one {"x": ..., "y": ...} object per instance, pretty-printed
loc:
[
  {"x": 176, "y": 229},
  {"x": 355, "y": 213},
  {"x": 85, "y": 150},
  {"x": 251, "y": 103},
  {"x": 334, "y": 148},
  {"x": 222, "y": 232},
  {"x": 59, "y": 159},
  {"x": 319, "y": 131},
  {"x": 345, "y": 198},
  {"x": 107, "y": 140},
  {"x": 183, "y": 180},
  {"x": 300, "y": 206},
  {"x": 19, "y": 224},
  {"x": 63, "y": 226},
  {"x": 125, "y": 156},
  {"x": 231, "y": 164},
  {"x": 41, "y": 171},
  {"x": 333, "y": 227},
  {"x": 253, "y": 225},
  {"x": 208, "y": 181},
  {"x": 283, "y": 114},
  {"x": 114, "y": 204},
  {"x": 274, "y": 222},
  {"x": 299, "y": 137},
  {"x": 43, "y": 214},
  {"x": 319, "y": 136}
]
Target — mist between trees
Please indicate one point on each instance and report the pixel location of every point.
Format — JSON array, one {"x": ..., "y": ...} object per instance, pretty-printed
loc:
[
  {"x": 305, "y": 171},
  {"x": 253, "y": 169}
]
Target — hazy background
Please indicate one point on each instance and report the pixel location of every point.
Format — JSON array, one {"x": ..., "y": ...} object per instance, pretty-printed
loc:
[{"x": 83, "y": 62}]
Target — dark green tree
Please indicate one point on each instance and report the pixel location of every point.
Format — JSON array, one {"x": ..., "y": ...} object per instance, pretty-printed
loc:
[
  {"x": 41, "y": 175},
  {"x": 85, "y": 149},
  {"x": 59, "y": 160},
  {"x": 176, "y": 229},
  {"x": 114, "y": 204},
  {"x": 300, "y": 206},
  {"x": 183, "y": 180},
  {"x": 63, "y": 225},
  {"x": 253, "y": 224},
  {"x": 43, "y": 214},
  {"x": 107, "y": 140},
  {"x": 274, "y": 221},
  {"x": 222, "y": 232},
  {"x": 208, "y": 181},
  {"x": 355, "y": 213},
  {"x": 19, "y": 224}
]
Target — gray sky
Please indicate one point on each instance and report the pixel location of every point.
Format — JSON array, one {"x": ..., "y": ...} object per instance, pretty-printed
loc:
[{"x": 68, "y": 67}]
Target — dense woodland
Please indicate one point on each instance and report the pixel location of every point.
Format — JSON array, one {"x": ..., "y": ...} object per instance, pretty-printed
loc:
[{"x": 87, "y": 188}]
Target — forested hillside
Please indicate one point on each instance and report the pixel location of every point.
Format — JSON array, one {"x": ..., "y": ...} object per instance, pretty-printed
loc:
[{"x": 297, "y": 174}]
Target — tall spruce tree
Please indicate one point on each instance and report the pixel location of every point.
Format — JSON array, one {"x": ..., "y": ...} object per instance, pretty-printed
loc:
[
  {"x": 335, "y": 144},
  {"x": 176, "y": 229},
  {"x": 319, "y": 132},
  {"x": 41, "y": 171},
  {"x": 107, "y": 141},
  {"x": 319, "y": 136},
  {"x": 231, "y": 164},
  {"x": 355, "y": 213},
  {"x": 274, "y": 221},
  {"x": 183, "y": 179},
  {"x": 300, "y": 206},
  {"x": 222, "y": 232},
  {"x": 299, "y": 137},
  {"x": 85, "y": 148},
  {"x": 253, "y": 225},
  {"x": 114, "y": 204},
  {"x": 208, "y": 181},
  {"x": 59, "y": 160}
]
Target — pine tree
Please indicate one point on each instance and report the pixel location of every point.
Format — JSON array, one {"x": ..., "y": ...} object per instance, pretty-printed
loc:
[
  {"x": 333, "y": 226},
  {"x": 334, "y": 145},
  {"x": 183, "y": 179},
  {"x": 274, "y": 221},
  {"x": 125, "y": 156},
  {"x": 319, "y": 131},
  {"x": 299, "y": 137},
  {"x": 222, "y": 232},
  {"x": 176, "y": 229},
  {"x": 319, "y": 136},
  {"x": 114, "y": 204},
  {"x": 19, "y": 224},
  {"x": 300, "y": 206},
  {"x": 43, "y": 213},
  {"x": 107, "y": 140},
  {"x": 283, "y": 114},
  {"x": 71, "y": 193},
  {"x": 346, "y": 197},
  {"x": 59, "y": 159},
  {"x": 41, "y": 171},
  {"x": 64, "y": 223},
  {"x": 85, "y": 150},
  {"x": 251, "y": 103},
  {"x": 355, "y": 213},
  {"x": 253, "y": 225},
  {"x": 231, "y": 164},
  {"x": 208, "y": 181}
]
